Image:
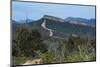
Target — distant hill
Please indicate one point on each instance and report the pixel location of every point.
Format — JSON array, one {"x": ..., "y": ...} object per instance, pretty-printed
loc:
[{"x": 91, "y": 22}]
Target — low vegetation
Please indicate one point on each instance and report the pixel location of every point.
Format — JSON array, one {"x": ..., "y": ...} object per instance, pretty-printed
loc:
[{"x": 28, "y": 44}]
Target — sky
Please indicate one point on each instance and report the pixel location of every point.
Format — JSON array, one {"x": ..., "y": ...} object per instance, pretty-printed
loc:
[{"x": 34, "y": 11}]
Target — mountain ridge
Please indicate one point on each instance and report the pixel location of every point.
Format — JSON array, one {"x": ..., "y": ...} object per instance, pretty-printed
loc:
[{"x": 55, "y": 26}]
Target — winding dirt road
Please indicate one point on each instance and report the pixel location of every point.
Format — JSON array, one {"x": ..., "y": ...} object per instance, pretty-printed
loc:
[{"x": 44, "y": 26}]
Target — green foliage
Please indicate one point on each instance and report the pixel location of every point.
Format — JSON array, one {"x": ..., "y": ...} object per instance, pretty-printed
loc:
[
  {"x": 28, "y": 44},
  {"x": 85, "y": 52},
  {"x": 27, "y": 41},
  {"x": 47, "y": 57},
  {"x": 80, "y": 56},
  {"x": 19, "y": 60}
]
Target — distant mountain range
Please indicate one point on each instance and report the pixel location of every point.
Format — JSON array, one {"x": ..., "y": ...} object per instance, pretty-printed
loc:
[
  {"x": 91, "y": 22},
  {"x": 62, "y": 28}
]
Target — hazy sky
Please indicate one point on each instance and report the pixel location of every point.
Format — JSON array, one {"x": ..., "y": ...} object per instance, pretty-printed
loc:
[{"x": 23, "y": 10}]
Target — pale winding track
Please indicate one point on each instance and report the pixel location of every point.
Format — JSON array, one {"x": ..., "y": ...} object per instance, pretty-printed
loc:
[{"x": 44, "y": 26}]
